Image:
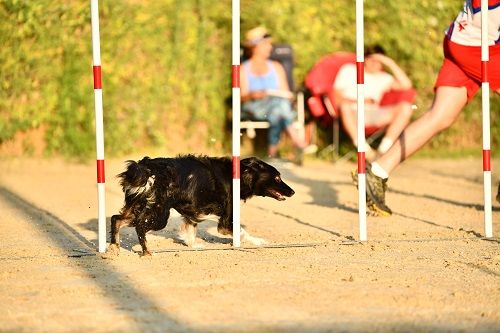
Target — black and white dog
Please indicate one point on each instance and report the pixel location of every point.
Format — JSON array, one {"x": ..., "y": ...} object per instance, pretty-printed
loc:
[{"x": 197, "y": 187}]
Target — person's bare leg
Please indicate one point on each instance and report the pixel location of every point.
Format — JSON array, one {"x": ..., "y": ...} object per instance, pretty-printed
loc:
[
  {"x": 395, "y": 120},
  {"x": 401, "y": 119},
  {"x": 448, "y": 102},
  {"x": 349, "y": 121},
  {"x": 349, "y": 118},
  {"x": 294, "y": 136},
  {"x": 272, "y": 150}
]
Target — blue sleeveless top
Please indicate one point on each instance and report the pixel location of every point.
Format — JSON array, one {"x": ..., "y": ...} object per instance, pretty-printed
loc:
[{"x": 267, "y": 81}]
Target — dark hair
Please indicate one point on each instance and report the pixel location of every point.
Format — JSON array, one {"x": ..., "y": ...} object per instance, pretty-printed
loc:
[{"x": 372, "y": 49}]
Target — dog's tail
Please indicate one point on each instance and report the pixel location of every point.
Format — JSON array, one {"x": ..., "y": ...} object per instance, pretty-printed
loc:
[{"x": 136, "y": 180}]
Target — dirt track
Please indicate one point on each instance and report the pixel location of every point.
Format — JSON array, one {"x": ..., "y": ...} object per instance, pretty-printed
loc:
[{"x": 426, "y": 268}]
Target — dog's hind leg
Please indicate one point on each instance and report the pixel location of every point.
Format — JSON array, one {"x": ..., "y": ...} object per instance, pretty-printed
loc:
[
  {"x": 150, "y": 220},
  {"x": 141, "y": 235},
  {"x": 117, "y": 221},
  {"x": 187, "y": 233}
]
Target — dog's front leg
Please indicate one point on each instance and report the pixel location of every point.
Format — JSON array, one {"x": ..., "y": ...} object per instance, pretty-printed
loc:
[
  {"x": 246, "y": 237},
  {"x": 225, "y": 228},
  {"x": 225, "y": 225}
]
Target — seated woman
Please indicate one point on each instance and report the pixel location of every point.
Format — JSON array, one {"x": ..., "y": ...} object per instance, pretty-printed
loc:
[{"x": 264, "y": 91}]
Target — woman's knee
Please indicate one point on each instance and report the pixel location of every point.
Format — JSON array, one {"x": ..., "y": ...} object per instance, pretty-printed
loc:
[
  {"x": 406, "y": 108},
  {"x": 284, "y": 108}
]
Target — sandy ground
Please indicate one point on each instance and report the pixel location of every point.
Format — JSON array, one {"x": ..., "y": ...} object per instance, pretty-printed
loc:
[{"x": 426, "y": 268}]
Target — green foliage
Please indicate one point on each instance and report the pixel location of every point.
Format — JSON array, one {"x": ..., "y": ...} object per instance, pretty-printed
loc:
[
  {"x": 166, "y": 65},
  {"x": 166, "y": 70}
]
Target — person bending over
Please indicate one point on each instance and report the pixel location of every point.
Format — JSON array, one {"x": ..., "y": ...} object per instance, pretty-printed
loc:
[{"x": 388, "y": 98}]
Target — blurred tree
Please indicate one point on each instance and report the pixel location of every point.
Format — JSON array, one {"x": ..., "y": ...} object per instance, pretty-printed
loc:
[{"x": 166, "y": 65}]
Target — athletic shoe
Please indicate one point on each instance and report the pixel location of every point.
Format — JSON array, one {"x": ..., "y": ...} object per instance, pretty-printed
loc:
[{"x": 375, "y": 192}]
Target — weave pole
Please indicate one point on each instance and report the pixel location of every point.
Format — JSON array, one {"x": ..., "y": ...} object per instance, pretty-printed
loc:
[
  {"x": 99, "y": 127},
  {"x": 360, "y": 62},
  {"x": 236, "y": 120},
  {"x": 485, "y": 90}
]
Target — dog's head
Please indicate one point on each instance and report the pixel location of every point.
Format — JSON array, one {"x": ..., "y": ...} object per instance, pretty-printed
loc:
[{"x": 262, "y": 179}]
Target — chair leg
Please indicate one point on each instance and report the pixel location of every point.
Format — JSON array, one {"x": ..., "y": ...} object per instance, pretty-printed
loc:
[
  {"x": 336, "y": 139},
  {"x": 301, "y": 115}
]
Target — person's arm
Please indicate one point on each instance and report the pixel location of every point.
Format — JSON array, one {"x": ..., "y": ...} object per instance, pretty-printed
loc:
[
  {"x": 401, "y": 80},
  {"x": 245, "y": 94},
  {"x": 345, "y": 81},
  {"x": 282, "y": 80}
]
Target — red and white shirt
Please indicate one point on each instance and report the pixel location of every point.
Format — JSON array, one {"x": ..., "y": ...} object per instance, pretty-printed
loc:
[{"x": 466, "y": 29}]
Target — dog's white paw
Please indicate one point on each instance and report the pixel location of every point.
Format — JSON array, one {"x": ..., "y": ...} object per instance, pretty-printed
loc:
[
  {"x": 246, "y": 237},
  {"x": 255, "y": 240},
  {"x": 198, "y": 246},
  {"x": 113, "y": 250},
  {"x": 258, "y": 241},
  {"x": 181, "y": 239},
  {"x": 189, "y": 242}
]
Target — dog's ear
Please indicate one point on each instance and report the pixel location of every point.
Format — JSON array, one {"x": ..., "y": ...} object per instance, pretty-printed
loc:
[
  {"x": 252, "y": 163},
  {"x": 250, "y": 168}
]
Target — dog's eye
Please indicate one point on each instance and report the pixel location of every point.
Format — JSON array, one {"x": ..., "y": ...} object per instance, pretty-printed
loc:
[{"x": 277, "y": 179}]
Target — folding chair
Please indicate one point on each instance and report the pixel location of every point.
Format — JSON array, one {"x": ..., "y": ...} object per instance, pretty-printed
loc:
[{"x": 320, "y": 100}]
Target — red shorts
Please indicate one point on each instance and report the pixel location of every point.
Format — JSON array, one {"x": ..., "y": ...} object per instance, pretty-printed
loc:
[
  {"x": 462, "y": 67},
  {"x": 393, "y": 97}
]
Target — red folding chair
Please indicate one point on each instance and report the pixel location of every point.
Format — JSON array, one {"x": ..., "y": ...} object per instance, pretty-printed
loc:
[{"x": 321, "y": 100}]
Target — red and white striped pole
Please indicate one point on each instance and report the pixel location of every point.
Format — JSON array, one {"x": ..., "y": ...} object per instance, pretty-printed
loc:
[
  {"x": 360, "y": 60},
  {"x": 485, "y": 89},
  {"x": 99, "y": 127},
  {"x": 236, "y": 120}
]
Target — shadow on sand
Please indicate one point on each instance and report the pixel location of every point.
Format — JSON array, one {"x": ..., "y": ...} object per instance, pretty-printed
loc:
[
  {"x": 448, "y": 201},
  {"x": 101, "y": 271},
  {"x": 207, "y": 231},
  {"x": 323, "y": 193}
]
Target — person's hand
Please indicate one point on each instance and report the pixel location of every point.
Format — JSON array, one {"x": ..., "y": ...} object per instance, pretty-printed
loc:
[
  {"x": 385, "y": 60},
  {"x": 260, "y": 94}
]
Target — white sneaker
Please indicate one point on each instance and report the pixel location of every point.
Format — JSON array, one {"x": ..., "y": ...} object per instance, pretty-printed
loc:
[{"x": 311, "y": 149}]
